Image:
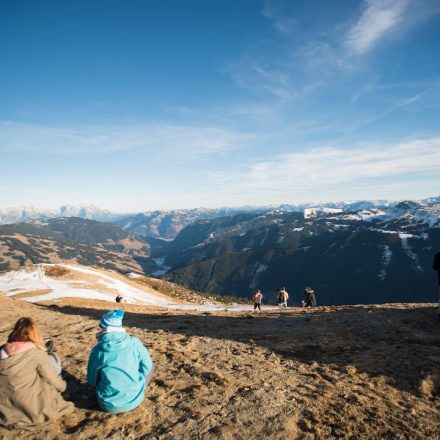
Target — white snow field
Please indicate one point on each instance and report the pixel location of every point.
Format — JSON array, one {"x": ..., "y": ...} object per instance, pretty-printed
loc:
[{"x": 34, "y": 279}]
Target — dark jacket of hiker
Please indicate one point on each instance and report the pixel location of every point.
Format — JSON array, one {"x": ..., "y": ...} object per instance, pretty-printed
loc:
[
  {"x": 30, "y": 390},
  {"x": 436, "y": 265},
  {"x": 309, "y": 298}
]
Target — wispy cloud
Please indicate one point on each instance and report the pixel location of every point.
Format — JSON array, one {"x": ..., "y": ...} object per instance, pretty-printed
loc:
[
  {"x": 377, "y": 20},
  {"x": 327, "y": 169},
  {"x": 156, "y": 138},
  {"x": 399, "y": 104},
  {"x": 282, "y": 22},
  {"x": 263, "y": 77}
]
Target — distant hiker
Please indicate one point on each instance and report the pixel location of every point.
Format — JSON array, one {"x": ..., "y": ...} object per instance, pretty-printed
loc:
[
  {"x": 120, "y": 299},
  {"x": 283, "y": 296},
  {"x": 257, "y": 298},
  {"x": 120, "y": 367},
  {"x": 436, "y": 266},
  {"x": 30, "y": 388},
  {"x": 309, "y": 298}
]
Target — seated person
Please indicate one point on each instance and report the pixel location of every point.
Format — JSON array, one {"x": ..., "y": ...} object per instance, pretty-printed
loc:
[
  {"x": 120, "y": 367},
  {"x": 30, "y": 385}
]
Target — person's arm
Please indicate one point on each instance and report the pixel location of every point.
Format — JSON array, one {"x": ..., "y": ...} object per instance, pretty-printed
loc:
[
  {"x": 92, "y": 369},
  {"x": 145, "y": 361},
  {"x": 47, "y": 372}
]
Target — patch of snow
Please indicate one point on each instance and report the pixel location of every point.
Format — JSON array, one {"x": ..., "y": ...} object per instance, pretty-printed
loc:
[
  {"x": 408, "y": 251},
  {"x": 384, "y": 231},
  {"x": 405, "y": 236},
  {"x": 266, "y": 233},
  {"x": 386, "y": 258},
  {"x": 340, "y": 226},
  {"x": 347, "y": 217},
  {"x": 369, "y": 215},
  {"x": 259, "y": 268},
  {"x": 314, "y": 212},
  {"x": 22, "y": 281},
  {"x": 298, "y": 229}
]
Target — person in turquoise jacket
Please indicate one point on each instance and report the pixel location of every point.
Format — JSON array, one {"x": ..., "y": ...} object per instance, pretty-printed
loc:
[{"x": 119, "y": 367}]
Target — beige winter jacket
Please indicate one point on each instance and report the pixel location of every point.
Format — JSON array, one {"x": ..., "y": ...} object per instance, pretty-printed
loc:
[
  {"x": 284, "y": 296},
  {"x": 30, "y": 390}
]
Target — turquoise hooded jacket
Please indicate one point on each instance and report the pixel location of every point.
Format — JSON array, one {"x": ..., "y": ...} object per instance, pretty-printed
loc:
[{"x": 117, "y": 368}]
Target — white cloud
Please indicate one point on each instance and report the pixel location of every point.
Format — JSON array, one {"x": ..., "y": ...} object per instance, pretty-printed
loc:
[
  {"x": 378, "y": 18},
  {"x": 155, "y": 138},
  {"x": 282, "y": 22},
  {"x": 336, "y": 169}
]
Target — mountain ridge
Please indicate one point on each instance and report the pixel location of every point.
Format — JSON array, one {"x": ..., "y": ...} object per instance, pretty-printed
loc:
[
  {"x": 343, "y": 254},
  {"x": 166, "y": 224},
  {"x": 71, "y": 239}
]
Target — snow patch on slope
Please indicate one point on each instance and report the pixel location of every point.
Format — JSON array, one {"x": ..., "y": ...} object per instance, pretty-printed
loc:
[
  {"x": 259, "y": 269},
  {"x": 34, "y": 280},
  {"x": 408, "y": 251},
  {"x": 314, "y": 212},
  {"x": 386, "y": 258}
]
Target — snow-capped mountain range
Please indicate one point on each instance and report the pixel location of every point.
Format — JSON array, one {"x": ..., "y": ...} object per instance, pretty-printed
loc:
[
  {"x": 374, "y": 254},
  {"x": 22, "y": 214},
  {"x": 407, "y": 213},
  {"x": 167, "y": 224},
  {"x": 352, "y": 252}
]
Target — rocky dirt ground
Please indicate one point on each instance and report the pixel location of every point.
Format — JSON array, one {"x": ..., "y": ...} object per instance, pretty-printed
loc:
[{"x": 365, "y": 372}]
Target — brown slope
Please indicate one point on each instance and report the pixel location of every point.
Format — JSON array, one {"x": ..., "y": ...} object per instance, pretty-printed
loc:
[{"x": 341, "y": 372}]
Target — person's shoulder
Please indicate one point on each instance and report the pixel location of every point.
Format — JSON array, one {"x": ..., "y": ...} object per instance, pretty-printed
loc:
[
  {"x": 35, "y": 353},
  {"x": 135, "y": 340}
]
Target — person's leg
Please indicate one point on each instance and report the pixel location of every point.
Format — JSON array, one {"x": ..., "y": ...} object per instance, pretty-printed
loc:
[
  {"x": 439, "y": 300},
  {"x": 54, "y": 358},
  {"x": 56, "y": 362}
]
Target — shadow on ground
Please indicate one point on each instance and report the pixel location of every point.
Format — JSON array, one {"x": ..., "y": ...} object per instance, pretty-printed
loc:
[
  {"x": 80, "y": 393},
  {"x": 402, "y": 344}
]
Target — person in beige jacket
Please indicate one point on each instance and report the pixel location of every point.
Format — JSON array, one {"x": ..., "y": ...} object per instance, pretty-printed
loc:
[{"x": 30, "y": 388}]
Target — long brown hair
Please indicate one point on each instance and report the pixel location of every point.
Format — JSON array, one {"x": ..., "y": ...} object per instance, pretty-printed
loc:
[{"x": 25, "y": 330}]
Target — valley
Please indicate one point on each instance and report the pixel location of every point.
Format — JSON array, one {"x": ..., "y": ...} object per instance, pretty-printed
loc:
[{"x": 350, "y": 253}]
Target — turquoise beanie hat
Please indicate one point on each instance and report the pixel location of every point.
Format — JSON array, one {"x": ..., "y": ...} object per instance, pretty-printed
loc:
[{"x": 112, "y": 319}]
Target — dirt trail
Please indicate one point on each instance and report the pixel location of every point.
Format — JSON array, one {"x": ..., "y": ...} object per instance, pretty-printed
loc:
[{"x": 335, "y": 372}]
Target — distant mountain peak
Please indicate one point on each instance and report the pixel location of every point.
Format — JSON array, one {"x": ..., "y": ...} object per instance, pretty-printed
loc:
[{"x": 23, "y": 214}]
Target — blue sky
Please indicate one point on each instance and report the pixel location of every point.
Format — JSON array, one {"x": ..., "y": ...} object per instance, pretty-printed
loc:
[{"x": 142, "y": 105}]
